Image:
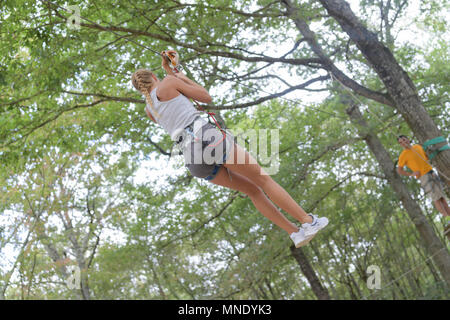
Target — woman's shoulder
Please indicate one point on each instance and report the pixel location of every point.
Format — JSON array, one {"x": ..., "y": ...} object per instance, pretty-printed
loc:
[
  {"x": 167, "y": 83},
  {"x": 167, "y": 89},
  {"x": 169, "y": 78}
]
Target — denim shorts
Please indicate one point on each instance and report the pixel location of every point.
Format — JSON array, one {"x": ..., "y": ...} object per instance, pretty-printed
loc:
[{"x": 205, "y": 148}]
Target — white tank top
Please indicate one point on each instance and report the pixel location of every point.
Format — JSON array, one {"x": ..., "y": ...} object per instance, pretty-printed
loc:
[{"x": 174, "y": 114}]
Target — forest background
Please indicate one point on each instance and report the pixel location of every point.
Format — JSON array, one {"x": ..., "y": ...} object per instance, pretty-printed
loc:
[{"x": 93, "y": 207}]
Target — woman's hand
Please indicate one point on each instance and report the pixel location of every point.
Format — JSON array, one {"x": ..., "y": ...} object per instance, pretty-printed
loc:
[{"x": 165, "y": 63}]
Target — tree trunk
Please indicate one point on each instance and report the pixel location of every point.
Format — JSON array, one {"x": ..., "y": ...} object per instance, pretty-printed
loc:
[
  {"x": 320, "y": 291},
  {"x": 324, "y": 267},
  {"x": 397, "y": 82},
  {"x": 434, "y": 246}
]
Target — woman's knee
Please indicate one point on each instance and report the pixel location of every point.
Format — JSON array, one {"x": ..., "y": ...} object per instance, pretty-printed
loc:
[
  {"x": 262, "y": 180},
  {"x": 235, "y": 181},
  {"x": 247, "y": 186},
  {"x": 251, "y": 190}
]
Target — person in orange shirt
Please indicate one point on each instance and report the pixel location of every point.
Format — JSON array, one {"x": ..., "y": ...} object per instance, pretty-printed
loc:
[{"x": 415, "y": 158}]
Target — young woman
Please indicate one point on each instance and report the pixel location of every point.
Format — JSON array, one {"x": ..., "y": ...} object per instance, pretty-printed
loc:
[{"x": 233, "y": 167}]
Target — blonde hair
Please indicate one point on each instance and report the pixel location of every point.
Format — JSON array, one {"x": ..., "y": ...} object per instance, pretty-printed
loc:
[{"x": 143, "y": 80}]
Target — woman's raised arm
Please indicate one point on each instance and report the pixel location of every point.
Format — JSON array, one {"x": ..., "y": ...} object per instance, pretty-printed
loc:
[{"x": 191, "y": 89}]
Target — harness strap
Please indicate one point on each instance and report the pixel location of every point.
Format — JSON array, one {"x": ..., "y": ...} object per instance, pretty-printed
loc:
[
  {"x": 216, "y": 169},
  {"x": 212, "y": 114},
  {"x": 434, "y": 141},
  {"x": 432, "y": 155},
  {"x": 430, "y": 142}
]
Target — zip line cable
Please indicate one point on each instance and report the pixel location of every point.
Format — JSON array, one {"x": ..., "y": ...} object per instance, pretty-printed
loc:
[
  {"x": 96, "y": 24},
  {"x": 142, "y": 46},
  {"x": 284, "y": 98},
  {"x": 159, "y": 54}
]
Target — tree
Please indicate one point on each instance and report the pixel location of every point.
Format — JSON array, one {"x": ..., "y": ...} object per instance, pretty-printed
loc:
[
  {"x": 308, "y": 271},
  {"x": 397, "y": 82},
  {"x": 66, "y": 93},
  {"x": 436, "y": 249}
]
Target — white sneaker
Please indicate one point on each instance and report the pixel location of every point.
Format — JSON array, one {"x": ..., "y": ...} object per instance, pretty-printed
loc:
[
  {"x": 299, "y": 238},
  {"x": 310, "y": 229}
]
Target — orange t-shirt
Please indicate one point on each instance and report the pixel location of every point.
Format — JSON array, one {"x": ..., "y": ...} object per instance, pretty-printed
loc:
[{"x": 414, "y": 159}]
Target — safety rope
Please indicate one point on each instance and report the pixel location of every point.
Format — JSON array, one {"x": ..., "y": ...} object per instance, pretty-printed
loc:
[
  {"x": 171, "y": 57},
  {"x": 96, "y": 24},
  {"x": 180, "y": 65},
  {"x": 176, "y": 65}
]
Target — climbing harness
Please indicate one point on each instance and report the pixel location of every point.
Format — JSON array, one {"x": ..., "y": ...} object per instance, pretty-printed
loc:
[
  {"x": 183, "y": 137},
  {"x": 212, "y": 115},
  {"x": 173, "y": 58}
]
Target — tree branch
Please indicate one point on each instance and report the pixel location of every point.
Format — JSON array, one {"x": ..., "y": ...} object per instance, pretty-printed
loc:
[
  {"x": 110, "y": 98},
  {"x": 328, "y": 64},
  {"x": 269, "y": 97},
  {"x": 233, "y": 197}
]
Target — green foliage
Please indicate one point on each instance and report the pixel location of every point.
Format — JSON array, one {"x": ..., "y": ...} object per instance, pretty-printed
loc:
[{"x": 74, "y": 143}]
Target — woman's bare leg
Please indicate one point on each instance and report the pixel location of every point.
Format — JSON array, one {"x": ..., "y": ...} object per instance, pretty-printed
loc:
[
  {"x": 259, "y": 199},
  {"x": 241, "y": 162}
]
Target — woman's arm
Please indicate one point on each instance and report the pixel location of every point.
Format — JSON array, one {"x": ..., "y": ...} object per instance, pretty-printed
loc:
[
  {"x": 184, "y": 85},
  {"x": 191, "y": 89}
]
